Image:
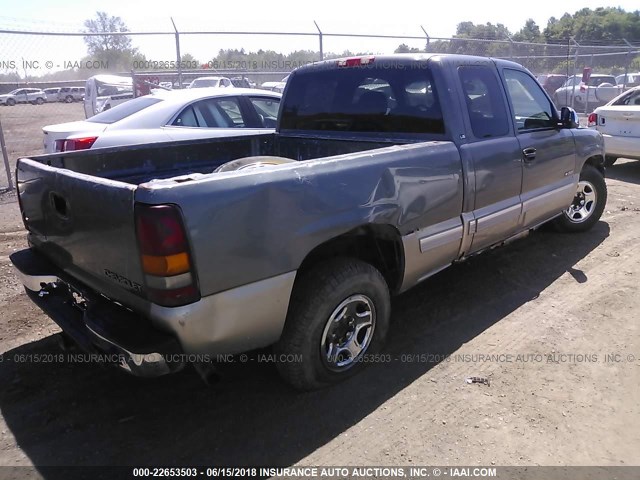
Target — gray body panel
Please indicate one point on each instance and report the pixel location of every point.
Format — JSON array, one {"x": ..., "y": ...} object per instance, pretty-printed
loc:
[{"x": 445, "y": 197}]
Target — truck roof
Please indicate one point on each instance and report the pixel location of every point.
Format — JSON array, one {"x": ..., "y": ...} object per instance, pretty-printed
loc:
[{"x": 404, "y": 59}]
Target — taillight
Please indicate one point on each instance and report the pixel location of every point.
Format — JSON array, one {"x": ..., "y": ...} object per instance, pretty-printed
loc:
[
  {"x": 356, "y": 62},
  {"x": 165, "y": 255},
  {"x": 59, "y": 145},
  {"x": 583, "y": 88},
  {"x": 77, "y": 144},
  {"x": 593, "y": 119}
]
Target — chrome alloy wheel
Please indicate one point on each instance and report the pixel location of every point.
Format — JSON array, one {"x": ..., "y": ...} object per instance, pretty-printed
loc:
[
  {"x": 584, "y": 203},
  {"x": 348, "y": 333}
]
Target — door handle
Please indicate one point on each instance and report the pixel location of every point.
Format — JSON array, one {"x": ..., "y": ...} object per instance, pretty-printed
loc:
[{"x": 529, "y": 154}]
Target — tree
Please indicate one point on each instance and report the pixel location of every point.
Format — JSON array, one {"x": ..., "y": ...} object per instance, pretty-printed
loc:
[
  {"x": 529, "y": 33},
  {"x": 404, "y": 48},
  {"x": 117, "y": 50}
]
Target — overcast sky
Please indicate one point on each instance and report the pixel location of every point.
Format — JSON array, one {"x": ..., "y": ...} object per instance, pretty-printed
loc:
[{"x": 439, "y": 18}]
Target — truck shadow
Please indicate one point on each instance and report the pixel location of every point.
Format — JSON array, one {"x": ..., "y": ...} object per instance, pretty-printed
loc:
[
  {"x": 81, "y": 414},
  {"x": 625, "y": 171}
]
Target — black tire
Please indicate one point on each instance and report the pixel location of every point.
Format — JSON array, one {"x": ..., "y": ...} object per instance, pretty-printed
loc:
[
  {"x": 39, "y": 101},
  {"x": 68, "y": 99},
  {"x": 11, "y": 102},
  {"x": 316, "y": 297},
  {"x": 592, "y": 190},
  {"x": 609, "y": 160}
]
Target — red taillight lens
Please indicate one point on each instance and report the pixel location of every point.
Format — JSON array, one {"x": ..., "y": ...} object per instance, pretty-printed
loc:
[
  {"x": 77, "y": 144},
  {"x": 165, "y": 255},
  {"x": 593, "y": 119},
  {"x": 356, "y": 62},
  {"x": 160, "y": 230}
]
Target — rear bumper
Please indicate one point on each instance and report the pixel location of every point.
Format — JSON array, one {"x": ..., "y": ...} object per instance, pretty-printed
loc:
[
  {"x": 97, "y": 324},
  {"x": 627, "y": 147}
]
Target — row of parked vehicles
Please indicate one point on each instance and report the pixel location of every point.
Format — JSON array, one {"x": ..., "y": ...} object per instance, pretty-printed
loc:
[{"x": 37, "y": 96}]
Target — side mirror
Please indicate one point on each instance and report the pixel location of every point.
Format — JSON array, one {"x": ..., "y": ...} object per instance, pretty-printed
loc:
[{"x": 569, "y": 118}]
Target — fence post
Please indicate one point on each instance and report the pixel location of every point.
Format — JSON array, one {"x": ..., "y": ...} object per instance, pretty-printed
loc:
[
  {"x": 320, "y": 38},
  {"x": 5, "y": 156},
  {"x": 178, "y": 56},
  {"x": 628, "y": 63},
  {"x": 428, "y": 38},
  {"x": 575, "y": 65}
]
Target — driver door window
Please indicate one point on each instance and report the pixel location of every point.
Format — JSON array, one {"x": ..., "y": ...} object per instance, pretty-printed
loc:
[{"x": 531, "y": 107}]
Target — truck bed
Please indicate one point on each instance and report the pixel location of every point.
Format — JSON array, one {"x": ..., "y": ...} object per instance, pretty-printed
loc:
[{"x": 141, "y": 163}]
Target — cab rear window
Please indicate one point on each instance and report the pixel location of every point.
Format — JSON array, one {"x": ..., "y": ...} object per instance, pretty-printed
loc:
[{"x": 363, "y": 99}]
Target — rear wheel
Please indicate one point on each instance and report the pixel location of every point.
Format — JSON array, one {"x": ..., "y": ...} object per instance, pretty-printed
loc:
[
  {"x": 588, "y": 203},
  {"x": 339, "y": 312},
  {"x": 39, "y": 101},
  {"x": 609, "y": 160},
  {"x": 68, "y": 99}
]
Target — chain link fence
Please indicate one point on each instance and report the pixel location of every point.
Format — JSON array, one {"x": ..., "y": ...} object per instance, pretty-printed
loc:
[{"x": 56, "y": 65}]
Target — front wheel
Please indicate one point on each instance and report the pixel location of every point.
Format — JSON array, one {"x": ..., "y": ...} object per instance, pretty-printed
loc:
[
  {"x": 339, "y": 313},
  {"x": 587, "y": 205},
  {"x": 11, "y": 102}
]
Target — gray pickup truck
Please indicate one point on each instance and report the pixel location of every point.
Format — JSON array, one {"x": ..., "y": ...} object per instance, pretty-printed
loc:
[{"x": 382, "y": 172}]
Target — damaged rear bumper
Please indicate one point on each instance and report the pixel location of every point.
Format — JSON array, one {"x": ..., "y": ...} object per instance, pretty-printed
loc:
[{"x": 96, "y": 324}]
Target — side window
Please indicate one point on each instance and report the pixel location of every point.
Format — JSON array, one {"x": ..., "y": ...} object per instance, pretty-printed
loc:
[
  {"x": 531, "y": 107},
  {"x": 187, "y": 118},
  {"x": 485, "y": 103},
  {"x": 267, "y": 110},
  {"x": 632, "y": 97},
  {"x": 216, "y": 113}
]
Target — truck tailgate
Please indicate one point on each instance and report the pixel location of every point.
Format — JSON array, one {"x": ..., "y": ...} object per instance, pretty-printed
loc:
[{"x": 84, "y": 224}]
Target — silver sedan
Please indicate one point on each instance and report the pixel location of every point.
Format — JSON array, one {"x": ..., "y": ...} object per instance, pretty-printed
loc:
[{"x": 170, "y": 115}]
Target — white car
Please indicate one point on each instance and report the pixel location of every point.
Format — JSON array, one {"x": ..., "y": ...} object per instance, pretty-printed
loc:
[
  {"x": 169, "y": 115},
  {"x": 275, "y": 86},
  {"x": 23, "y": 95},
  {"x": 619, "y": 123},
  {"x": 204, "y": 82},
  {"x": 52, "y": 94}
]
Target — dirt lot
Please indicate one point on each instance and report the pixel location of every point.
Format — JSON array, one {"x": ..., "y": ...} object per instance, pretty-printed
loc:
[
  {"x": 22, "y": 126},
  {"x": 537, "y": 318}
]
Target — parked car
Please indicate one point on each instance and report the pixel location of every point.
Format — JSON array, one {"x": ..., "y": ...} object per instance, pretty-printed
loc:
[
  {"x": 51, "y": 94},
  {"x": 275, "y": 86},
  {"x": 630, "y": 80},
  {"x": 243, "y": 82},
  {"x": 71, "y": 94},
  {"x": 619, "y": 123},
  {"x": 203, "y": 82},
  {"x": 298, "y": 238},
  {"x": 551, "y": 82},
  {"x": 23, "y": 95},
  {"x": 599, "y": 90},
  {"x": 169, "y": 115}
]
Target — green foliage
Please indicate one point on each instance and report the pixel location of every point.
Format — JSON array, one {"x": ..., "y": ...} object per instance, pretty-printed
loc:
[
  {"x": 602, "y": 25},
  {"x": 116, "y": 50},
  {"x": 404, "y": 48}
]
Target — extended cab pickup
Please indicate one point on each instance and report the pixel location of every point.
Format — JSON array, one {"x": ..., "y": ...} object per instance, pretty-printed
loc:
[{"x": 382, "y": 172}]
